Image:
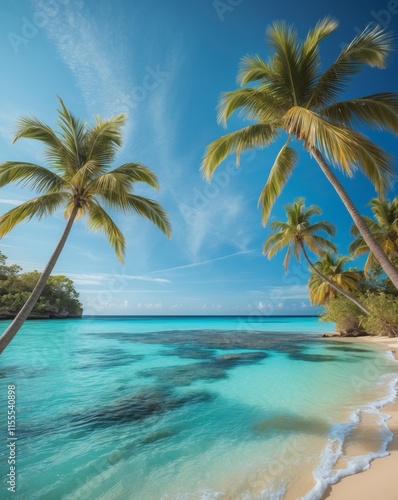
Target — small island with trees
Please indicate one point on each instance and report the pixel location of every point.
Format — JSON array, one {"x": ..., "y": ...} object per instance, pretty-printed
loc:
[{"x": 58, "y": 300}]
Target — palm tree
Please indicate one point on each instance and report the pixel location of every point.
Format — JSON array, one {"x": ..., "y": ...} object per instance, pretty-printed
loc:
[
  {"x": 295, "y": 98},
  {"x": 384, "y": 229},
  {"x": 80, "y": 181},
  {"x": 298, "y": 233},
  {"x": 332, "y": 266}
]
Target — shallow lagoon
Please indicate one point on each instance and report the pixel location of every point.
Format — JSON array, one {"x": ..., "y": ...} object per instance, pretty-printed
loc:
[{"x": 189, "y": 408}]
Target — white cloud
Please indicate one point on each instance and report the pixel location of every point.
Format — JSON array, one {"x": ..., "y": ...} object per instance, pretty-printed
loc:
[
  {"x": 102, "y": 279},
  {"x": 281, "y": 292},
  {"x": 202, "y": 263},
  {"x": 151, "y": 305},
  {"x": 217, "y": 220},
  {"x": 8, "y": 201},
  {"x": 89, "y": 52}
]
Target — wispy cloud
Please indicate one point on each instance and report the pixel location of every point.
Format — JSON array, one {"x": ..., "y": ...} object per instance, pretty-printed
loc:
[
  {"x": 89, "y": 53},
  {"x": 221, "y": 219},
  {"x": 9, "y": 201},
  {"x": 101, "y": 279},
  {"x": 202, "y": 263},
  {"x": 86, "y": 253}
]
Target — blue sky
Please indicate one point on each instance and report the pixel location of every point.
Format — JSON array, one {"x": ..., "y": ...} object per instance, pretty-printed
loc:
[{"x": 165, "y": 65}]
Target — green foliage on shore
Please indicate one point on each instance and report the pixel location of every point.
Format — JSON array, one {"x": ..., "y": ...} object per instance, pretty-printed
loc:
[
  {"x": 344, "y": 313},
  {"x": 59, "y": 298},
  {"x": 373, "y": 288},
  {"x": 382, "y": 320},
  {"x": 383, "y": 317}
]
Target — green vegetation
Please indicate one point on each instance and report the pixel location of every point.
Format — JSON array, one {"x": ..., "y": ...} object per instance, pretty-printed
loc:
[
  {"x": 382, "y": 320},
  {"x": 370, "y": 286},
  {"x": 59, "y": 298},
  {"x": 294, "y": 97},
  {"x": 384, "y": 227},
  {"x": 79, "y": 180}
]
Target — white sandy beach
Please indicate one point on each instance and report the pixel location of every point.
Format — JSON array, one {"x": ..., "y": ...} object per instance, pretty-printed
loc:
[{"x": 380, "y": 481}]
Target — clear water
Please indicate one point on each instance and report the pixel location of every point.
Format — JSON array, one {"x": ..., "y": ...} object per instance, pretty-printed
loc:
[{"x": 190, "y": 408}]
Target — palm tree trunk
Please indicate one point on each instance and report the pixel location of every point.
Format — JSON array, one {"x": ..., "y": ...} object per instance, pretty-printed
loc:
[
  {"x": 367, "y": 235},
  {"x": 334, "y": 285},
  {"x": 23, "y": 314}
]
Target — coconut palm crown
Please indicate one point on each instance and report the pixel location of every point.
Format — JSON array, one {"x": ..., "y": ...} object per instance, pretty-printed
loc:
[
  {"x": 294, "y": 97},
  {"x": 80, "y": 180},
  {"x": 384, "y": 227},
  {"x": 298, "y": 233},
  {"x": 332, "y": 266}
]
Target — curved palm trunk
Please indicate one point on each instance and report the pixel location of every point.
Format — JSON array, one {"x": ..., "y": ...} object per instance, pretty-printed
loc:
[
  {"x": 23, "y": 314},
  {"x": 334, "y": 285},
  {"x": 367, "y": 235}
]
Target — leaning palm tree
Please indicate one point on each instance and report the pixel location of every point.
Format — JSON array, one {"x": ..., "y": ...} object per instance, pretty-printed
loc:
[
  {"x": 297, "y": 233},
  {"x": 384, "y": 228},
  {"x": 80, "y": 181},
  {"x": 332, "y": 267},
  {"x": 295, "y": 98}
]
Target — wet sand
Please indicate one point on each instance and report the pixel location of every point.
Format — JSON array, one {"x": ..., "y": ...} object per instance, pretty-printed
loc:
[{"x": 380, "y": 481}]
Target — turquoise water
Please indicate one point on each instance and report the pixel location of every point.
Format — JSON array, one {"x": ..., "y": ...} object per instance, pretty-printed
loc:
[{"x": 189, "y": 408}]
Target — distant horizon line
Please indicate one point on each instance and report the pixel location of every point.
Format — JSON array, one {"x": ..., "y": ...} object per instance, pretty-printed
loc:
[{"x": 196, "y": 316}]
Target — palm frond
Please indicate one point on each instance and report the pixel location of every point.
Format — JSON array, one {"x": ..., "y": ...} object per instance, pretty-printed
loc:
[
  {"x": 99, "y": 220},
  {"x": 253, "y": 136},
  {"x": 103, "y": 140},
  {"x": 341, "y": 146},
  {"x": 253, "y": 68},
  {"x": 279, "y": 175},
  {"x": 274, "y": 243},
  {"x": 281, "y": 226},
  {"x": 306, "y": 213},
  {"x": 310, "y": 59},
  {"x": 318, "y": 244},
  {"x": 30, "y": 175},
  {"x": 323, "y": 28},
  {"x": 376, "y": 110},
  {"x": 286, "y": 61},
  {"x": 32, "y": 128},
  {"x": 152, "y": 211},
  {"x": 327, "y": 227},
  {"x": 371, "y": 47},
  {"x": 286, "y": 260},
  {"x": 73, "y": 132},
  {"x": 137, "y": 172},
  {"x": 385, "y": 212},
  {"x": 55, "y": 150},
  {"x": 254, "y": 104},
  {"x": 39, "y": 207},
  {"x": 86, "y": 173},
  {"x": 331, "y": 266}
]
